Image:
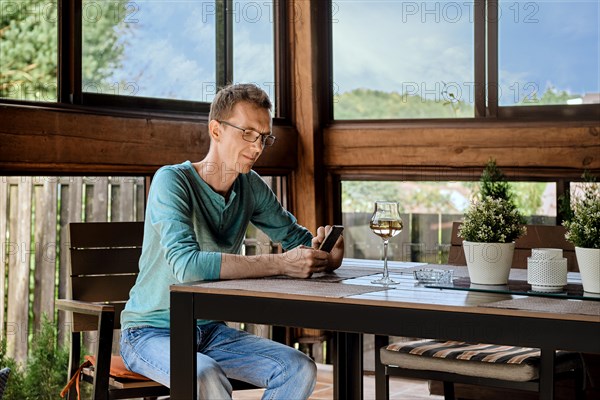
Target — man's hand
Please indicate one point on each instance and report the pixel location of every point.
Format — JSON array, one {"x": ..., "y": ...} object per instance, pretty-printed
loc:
[
  {"x": 303, "y": 261},
  {"x": 300, "y": 262},
  {"x": 337, "y": 253}
]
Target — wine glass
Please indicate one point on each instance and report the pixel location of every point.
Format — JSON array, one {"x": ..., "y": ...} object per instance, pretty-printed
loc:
[{"x": 386, "y": 223}]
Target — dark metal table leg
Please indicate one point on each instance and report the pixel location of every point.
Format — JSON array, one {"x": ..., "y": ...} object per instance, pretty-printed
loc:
[
  {"x": 348, "y": 366},
  {"x": 547, "y": 362},
  {"x": 183, "y": 347},
  {"x": 382, "y": 380}
]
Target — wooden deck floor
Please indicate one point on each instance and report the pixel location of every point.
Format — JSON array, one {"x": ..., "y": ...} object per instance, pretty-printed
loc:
[{"x": 400, "y": 389}]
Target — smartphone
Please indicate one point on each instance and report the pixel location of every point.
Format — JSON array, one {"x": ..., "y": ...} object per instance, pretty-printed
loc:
[{"x": 331, "y": 238}]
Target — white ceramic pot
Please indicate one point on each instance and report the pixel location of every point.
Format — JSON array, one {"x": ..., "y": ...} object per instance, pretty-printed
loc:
[
  {"x": 589, "y": 267},
  {"x": 489, "y": 263}
]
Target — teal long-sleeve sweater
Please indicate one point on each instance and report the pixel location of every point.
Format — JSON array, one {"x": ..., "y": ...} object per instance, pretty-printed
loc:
[{"x": 187, "y": 228}]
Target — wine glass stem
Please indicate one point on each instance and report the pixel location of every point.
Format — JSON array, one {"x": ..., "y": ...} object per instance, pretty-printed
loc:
[{"x": 385, "y": 267}]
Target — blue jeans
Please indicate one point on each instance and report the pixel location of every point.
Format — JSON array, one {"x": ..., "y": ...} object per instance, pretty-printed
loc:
[{"x": 223, "y": 352}]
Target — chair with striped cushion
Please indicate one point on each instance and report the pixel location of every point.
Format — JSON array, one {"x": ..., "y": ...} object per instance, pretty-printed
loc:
[
  {"x": 4, "y": 374},
  {"x": 477, "y": 363},
  {"x": 474, "y": 363}
]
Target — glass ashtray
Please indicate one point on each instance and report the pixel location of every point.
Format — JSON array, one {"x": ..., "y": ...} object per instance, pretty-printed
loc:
[{"x": 429, "y": 275}]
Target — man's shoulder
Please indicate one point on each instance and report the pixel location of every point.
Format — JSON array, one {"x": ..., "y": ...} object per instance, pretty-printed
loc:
[
  {"x": 253, "y": 179},
  {"x": 171, "y": 174},
  {"x": 173, "y": 169}
]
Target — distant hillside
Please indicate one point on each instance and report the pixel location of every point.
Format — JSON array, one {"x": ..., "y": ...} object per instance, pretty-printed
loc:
[{"x": 376, "y": 104}]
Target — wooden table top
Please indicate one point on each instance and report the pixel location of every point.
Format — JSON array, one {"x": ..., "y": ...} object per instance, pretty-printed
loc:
[{"x": 407, "y": 294}]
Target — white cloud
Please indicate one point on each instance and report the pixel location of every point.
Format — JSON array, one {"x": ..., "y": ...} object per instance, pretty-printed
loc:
[{"x": 169, "y": 62}]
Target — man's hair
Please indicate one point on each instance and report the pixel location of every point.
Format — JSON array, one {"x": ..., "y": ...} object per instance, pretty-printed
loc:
[{"x": 223, "y": 103}]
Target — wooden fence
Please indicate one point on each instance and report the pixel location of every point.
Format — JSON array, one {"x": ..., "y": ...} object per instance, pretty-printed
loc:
[
  {"x": 34, "y": 214},
  {"x": 34, "y": 257}
]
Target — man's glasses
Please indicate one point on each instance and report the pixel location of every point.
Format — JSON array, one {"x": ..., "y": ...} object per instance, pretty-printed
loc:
[{"x": 252, "y": 136}]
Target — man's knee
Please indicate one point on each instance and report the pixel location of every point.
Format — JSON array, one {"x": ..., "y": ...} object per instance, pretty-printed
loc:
[
  {"x": 211, "y": 381},
  {"x": 299, "y": 365},
  {"x": 306, "y": 367}
]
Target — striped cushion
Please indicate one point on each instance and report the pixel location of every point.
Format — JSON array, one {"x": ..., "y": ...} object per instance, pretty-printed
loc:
[
  {"x": 488, "y": 361},
  {"x": 4, "y": 373},
  {"x": 469, "y": 351}
]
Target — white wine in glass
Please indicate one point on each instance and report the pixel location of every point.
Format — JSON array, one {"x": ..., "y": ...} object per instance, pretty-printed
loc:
[{"x": 386, "y": 223}]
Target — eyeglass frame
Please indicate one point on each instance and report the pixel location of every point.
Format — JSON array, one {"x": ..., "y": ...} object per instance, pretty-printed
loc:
[{"x": 264, "y": 137}]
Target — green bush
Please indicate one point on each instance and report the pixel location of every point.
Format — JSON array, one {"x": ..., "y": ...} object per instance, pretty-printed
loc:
[
  {"x": 44, "y": 373},
  {"x": 494, "y": 218}
]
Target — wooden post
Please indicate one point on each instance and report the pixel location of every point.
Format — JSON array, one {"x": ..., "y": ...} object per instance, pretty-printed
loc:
[
  {"x": 4, "y": 243},
  {"x": 17, "y": 318},
  {"x": 45, "y": 250},
  {"x": 305, "y": 115}
]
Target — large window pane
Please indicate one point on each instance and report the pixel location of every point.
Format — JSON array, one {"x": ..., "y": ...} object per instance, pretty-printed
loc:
[
  {"x": 549, "y": 52},
  {"x": 161, "y": 49},
  {"x": 28, "y": 50},
  {"x": 428, "y": 210},
  {"x": 167, "y": 49},
  {"x": 253, "y": 44},
  {"x": 403, "y": 59}
]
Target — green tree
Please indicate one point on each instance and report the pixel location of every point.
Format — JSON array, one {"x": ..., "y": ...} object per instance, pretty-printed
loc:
[
  {"x": 360, "y": 196},
  {"x": 421, "y": 197},
  {"x": 493, "y": 183},
  {"x": 29, "y": 46},
  {"x": 549, "y": 97},
  {"x": 105, "y": 29},
  {"x": 528, "y": 196}
]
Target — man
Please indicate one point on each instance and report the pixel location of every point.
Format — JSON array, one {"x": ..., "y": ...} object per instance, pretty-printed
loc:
[{"x": 196, "y": 218}]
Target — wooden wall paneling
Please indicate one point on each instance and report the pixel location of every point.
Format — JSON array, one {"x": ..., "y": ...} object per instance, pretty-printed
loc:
[
  {"x": 559, "y": 145},
  {"x": 72, "y": 142}
]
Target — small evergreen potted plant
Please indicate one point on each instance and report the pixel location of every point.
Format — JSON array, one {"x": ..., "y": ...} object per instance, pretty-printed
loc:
[
  {"x": 582, "y": 222},
  {"x": 490, "y": 226}
]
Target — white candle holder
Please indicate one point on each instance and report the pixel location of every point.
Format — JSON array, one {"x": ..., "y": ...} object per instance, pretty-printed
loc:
[{"x": 547, "y": 270}]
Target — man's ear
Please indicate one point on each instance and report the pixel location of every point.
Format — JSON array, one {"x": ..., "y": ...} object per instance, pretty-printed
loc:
[{"x": 213, "y": 130}]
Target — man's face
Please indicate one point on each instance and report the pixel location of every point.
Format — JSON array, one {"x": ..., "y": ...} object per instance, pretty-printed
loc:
[{"x": 235, "y": 152}]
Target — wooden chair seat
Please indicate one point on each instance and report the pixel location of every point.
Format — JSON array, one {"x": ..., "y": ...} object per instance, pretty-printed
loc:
[{"x": 153, "y": 388}]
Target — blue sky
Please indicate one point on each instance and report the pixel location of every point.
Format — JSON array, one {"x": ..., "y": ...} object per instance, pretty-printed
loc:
[
  {"x": 414, "y": 46},
  {"x": 554, "y": 44},
  {"x": 170, "y": 47}
]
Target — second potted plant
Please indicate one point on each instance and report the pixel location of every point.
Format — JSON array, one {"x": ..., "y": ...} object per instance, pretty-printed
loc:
[
  {"x": 489, "y": 230},
  {"x": 583, "y": 230}
]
